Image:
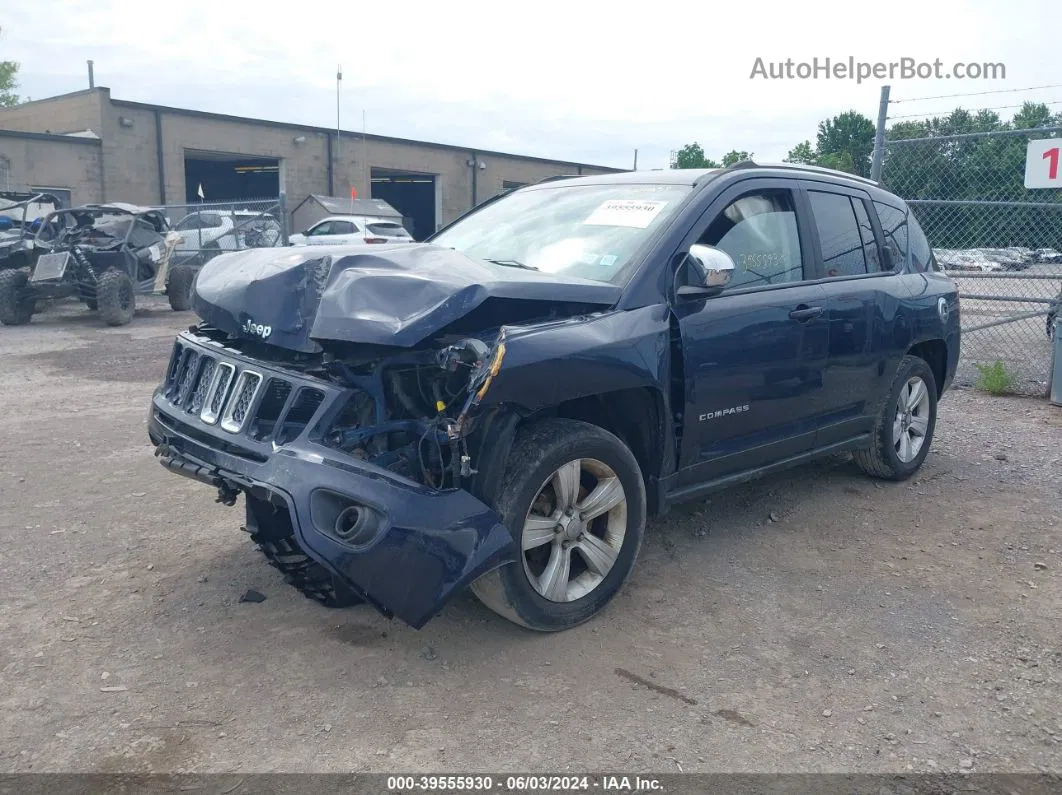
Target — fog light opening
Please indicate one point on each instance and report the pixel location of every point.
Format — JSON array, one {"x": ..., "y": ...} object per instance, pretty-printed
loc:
[{"x": 352, "y": 524}]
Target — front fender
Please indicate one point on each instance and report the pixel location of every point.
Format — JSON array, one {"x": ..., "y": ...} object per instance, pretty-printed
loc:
[{"x": 550, "y": 363}]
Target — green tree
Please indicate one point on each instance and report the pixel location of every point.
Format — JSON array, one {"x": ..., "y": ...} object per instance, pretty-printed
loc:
[
  {"x": 8, "y": 82},
  {"x": 850, "y": 133},
  {"x": 839, "y": 161},
  {"x": 734, "y": 156},
  {"x": 692, "y": 156},
  {"x": 802, "y": 153}
]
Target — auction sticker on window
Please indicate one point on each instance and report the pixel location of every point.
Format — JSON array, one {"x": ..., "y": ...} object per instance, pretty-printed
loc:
[{"x": 626, "y": 212}]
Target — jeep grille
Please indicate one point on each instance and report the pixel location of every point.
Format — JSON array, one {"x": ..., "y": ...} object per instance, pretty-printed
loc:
[{"x": 220, "y": 390}]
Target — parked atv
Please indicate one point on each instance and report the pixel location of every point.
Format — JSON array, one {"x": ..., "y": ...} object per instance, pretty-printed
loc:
[
  {"x": 20, "y": 215},
  {"x": 102, "y": 254}
]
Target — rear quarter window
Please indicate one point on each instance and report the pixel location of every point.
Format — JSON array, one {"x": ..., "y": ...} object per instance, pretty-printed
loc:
[
  {"x": 387, "y": 228},
  {"x": 922, "y": 258},
  {"x": 894, "y": 226}
]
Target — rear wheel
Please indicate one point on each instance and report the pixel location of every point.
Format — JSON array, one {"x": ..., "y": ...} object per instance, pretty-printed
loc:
[
  {"x": 904, "y": 428},
  {"x": 179, "y": 287},
  {"x": 116, "y": 298},
  {"x": 574, "y": 498},
  {"x": 16, "y": 308}
]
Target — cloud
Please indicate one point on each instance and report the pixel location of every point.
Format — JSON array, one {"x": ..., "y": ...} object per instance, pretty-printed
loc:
[{"x": 578, "y": 81}]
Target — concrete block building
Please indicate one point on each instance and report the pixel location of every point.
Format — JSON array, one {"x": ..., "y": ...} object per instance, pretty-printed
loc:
[{"x": 89, "y": 147}]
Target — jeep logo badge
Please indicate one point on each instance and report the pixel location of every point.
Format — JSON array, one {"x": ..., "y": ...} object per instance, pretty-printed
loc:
[{"x": 256, "y": 329}]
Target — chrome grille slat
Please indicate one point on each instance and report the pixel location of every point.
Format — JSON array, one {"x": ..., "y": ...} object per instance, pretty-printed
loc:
[
  {"x": 188, "y": 374},
  {"x": 217, "y": 392},
  {"x": 175, "y": 363},
  {"x": 243, "y": 394},
  {"x": 202, "y": 385}
]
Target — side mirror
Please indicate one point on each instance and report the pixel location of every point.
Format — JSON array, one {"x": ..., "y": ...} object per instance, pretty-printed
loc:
[{"x": 708, "y": 270}]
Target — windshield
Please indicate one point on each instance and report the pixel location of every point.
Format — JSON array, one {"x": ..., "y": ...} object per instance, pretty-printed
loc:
[
  {"x": 198, "y": 221},
  {"x": 585, "y": 231},
  {"x": 94, "y": 228}
]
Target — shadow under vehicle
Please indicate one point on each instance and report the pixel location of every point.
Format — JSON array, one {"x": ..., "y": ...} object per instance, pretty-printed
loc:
[{"x": 102, "y": 254}]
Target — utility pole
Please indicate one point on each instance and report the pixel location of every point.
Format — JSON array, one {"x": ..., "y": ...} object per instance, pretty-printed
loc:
[
  {"x": 635, "y": 160},
  {"x": 339, "y": 83},
  {"x": 879, "y": 136}
]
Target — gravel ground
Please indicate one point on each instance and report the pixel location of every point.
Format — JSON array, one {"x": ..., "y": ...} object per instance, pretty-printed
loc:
[{"x": 814, "y": 621}]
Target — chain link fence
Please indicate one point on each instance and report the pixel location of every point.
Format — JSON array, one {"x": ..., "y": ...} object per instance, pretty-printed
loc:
[
  {"x": 207, "y": 229},
  {"x": 1001, "y": 242}
]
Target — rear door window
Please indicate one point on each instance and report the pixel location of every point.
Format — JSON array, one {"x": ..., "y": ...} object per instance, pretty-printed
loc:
[
  {"x": 840, "y": 238},
  {"x": 343, "y": 228},
  {"x": 866, "y": 231}
]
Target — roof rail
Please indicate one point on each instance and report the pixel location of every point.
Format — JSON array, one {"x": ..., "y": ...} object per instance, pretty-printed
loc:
[{"x": 803, "y": 167}]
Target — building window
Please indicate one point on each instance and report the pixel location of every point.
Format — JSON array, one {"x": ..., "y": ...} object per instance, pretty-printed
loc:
[{"x": 64, "y": 195}]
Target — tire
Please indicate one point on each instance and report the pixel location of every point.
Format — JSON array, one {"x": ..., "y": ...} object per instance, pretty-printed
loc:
[
  {"x": 15, "y": 309},
  {"x": 179, "y": 287},
  {"x": 116, "y": 297},
  {"x": 890, "y": 457},
  {"x": 613, "y": 538}
]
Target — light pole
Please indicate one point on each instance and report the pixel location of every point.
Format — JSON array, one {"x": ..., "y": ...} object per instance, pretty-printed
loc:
[{"x": 339, "y": 83}]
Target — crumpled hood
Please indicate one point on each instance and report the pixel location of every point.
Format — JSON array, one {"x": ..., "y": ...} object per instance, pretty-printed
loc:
[{"x": 382, "y": 295}]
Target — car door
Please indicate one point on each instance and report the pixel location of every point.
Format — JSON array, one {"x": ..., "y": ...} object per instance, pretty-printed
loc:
[
  {"x": 345, "y": 232},
  {"x": 753, "y": 355},
  {"x": 848, "y": 257}
]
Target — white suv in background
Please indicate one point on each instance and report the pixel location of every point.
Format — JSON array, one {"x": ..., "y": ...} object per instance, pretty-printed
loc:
[
  {"x": 351, "y": 230},
  {"x": 207, "y": 233}
]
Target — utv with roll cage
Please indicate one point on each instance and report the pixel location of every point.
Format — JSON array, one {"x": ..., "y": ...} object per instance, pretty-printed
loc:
[{"x": 101, "y": 254}]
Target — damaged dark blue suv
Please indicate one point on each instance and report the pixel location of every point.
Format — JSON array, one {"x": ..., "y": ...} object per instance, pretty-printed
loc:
[{"x": 502, "y": 406}]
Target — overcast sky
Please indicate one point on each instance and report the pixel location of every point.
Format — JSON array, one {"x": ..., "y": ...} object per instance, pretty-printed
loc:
[{"x": 585, "y": 81}]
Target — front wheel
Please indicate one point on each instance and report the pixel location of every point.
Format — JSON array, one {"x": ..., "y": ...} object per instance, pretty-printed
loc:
[
  {"x": 179, "y": 287},
  {"x": 16, "y": 308},
  {"x": 574, "y": 498},
  {"x": 904, "y": 427},
  {"x": 116, "y": 298}
]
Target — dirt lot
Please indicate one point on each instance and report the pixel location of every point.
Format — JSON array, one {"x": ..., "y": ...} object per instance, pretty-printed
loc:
[{"x": 815, "y": 621}]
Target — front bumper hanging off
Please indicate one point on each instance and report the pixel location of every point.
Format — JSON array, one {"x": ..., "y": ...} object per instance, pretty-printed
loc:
[{"x": 401, "y": 546}]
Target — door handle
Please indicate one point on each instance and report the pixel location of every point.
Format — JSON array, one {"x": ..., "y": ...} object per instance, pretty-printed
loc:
[{"x": 804, "y": 312}]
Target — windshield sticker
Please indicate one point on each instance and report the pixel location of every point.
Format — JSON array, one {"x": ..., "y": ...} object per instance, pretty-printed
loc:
[
  {"x": 608, "y": 260},
  {"x": 626, "y": 212}
]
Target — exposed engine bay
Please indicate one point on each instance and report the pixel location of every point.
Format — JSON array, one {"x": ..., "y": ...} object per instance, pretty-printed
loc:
[{"x": 412, "y": 412}]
